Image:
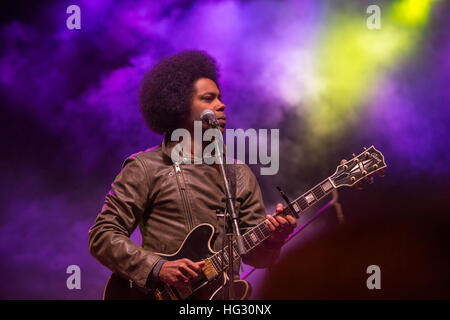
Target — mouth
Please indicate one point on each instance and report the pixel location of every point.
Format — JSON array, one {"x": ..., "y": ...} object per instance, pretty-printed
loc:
[{"x": 222, "y": 121}]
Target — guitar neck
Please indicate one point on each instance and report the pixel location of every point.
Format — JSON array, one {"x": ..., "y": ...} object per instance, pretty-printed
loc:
[{"x": 253, "y": 237}]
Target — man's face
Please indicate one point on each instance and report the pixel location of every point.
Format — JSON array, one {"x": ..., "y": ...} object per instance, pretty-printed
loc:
[{"x": 207, "y": 96}]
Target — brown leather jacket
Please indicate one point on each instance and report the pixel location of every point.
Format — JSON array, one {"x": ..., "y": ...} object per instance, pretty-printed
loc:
[{"x": 167, "y": 202}]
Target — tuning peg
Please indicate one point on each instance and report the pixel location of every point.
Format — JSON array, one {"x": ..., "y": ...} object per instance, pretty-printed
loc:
[
  {"x": 370, "y": 179},
  {"x": 382, "y": 173},
  {"x": 360, "y": 186}
]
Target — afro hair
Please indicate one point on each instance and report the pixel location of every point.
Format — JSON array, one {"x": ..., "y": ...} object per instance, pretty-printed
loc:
[{"x": 165, "y": 94}]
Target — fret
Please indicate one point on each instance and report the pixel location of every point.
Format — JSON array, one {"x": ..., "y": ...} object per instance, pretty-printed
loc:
[
  {"x": 213, "y": 261},
  {"x": 235, "y": 250},
  {"x": 296, "y": 208},
  {"x": 225, "y": 256},
  {"x": 247, "y": 243},
  {"x": 250, "y": 244},
  {"x": 313, "y": 195},
  {"x": 265, "y": 230},
  {"x": 302, "y": 203},
  {"x": 318, "y": 192},
  {"x": 217, "y": 262},
  {"x": 222, "y": 259},
  {"x": 258, "y": 233},
  {"x": 248, "y": 237},
  {"x": 288, "y": 211},
  {"x": 326, "y": 186},
  {"x": 253, "y": 237},
  {"x": 310, "y": 198}
]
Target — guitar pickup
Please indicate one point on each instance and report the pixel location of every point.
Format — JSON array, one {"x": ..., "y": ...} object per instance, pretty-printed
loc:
[{"x": 209, "y": 271}]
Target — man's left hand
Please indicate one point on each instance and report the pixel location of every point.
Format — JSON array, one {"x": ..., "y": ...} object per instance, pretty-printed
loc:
[{"x": 280, "y": 226}]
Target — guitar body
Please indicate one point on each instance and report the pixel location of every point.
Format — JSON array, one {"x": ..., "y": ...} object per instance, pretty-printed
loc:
[{"x": 196, "y": 247}]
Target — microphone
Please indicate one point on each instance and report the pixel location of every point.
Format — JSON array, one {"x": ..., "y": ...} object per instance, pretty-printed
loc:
[{"x": 209, "y": 118}]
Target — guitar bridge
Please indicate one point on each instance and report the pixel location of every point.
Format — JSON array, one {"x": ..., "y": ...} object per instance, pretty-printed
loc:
[
  {"x": 184, "y": 293},
  {"x": 165, "y": 294}
]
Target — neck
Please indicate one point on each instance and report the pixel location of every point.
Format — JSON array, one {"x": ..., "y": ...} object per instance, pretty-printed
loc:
[{"x": 197, "y": 145}]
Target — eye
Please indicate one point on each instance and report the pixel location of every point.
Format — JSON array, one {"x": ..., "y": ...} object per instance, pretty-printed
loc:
[{"x": 208, "y": 98}]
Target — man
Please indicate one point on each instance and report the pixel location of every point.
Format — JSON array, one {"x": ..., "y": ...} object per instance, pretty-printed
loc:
[{"x": 168, "y": 200}]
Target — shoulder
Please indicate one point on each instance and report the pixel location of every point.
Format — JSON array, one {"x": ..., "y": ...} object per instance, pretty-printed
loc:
[
  {"x": 141, "y": 167},
  {"x": 146, "y": 157},
  {"x": 246, "y": 179},
  {"x": 149, "y": 161},
  {"x": 243, "y": 170}
]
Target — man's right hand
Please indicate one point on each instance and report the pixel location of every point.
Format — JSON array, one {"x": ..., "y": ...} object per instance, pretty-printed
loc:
[{"x": 181, "y": 272}]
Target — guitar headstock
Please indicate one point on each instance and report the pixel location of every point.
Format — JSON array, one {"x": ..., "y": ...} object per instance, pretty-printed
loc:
[{"x": 358, "y": 168}]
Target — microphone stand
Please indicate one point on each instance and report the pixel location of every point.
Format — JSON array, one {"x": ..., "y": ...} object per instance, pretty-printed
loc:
[{"x": 231, "y": 227}]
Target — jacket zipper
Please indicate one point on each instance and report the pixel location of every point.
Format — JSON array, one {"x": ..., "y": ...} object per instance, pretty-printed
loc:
[{"x": 182, "y": 187}]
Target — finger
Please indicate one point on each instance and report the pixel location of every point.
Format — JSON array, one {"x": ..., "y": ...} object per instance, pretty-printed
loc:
[
  {"x": 194, "y": 266},
  {"x": 281, "y": 220},
  {"x": 284, "y": 225},
  {"x": 279, "y": 207},
  {"x": 291, "y": 220},
  {"x": 188, "y": 272},
  {"x": 181, "y": 277},
  {"x": 273, "y": 221},
  {"x": 270, "y": 225},
  {"x": 197, "y": 266}
]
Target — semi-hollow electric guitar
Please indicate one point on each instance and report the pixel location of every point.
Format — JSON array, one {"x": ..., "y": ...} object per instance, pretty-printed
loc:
[{"x": 197, "y": 244}]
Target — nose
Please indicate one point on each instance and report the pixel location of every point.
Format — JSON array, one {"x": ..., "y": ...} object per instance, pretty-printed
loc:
[{"x": 220, "y": 107}]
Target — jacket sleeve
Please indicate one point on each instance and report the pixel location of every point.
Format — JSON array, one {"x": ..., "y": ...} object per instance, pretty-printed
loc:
[
  {"x": 109, "y": 237},
  {"x": 249, "y": 197},
  {"x": 251, "y": 213}
]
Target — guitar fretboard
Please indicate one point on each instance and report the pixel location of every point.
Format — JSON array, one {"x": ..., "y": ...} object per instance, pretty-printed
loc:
[{"x": 253, "y": 237}]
